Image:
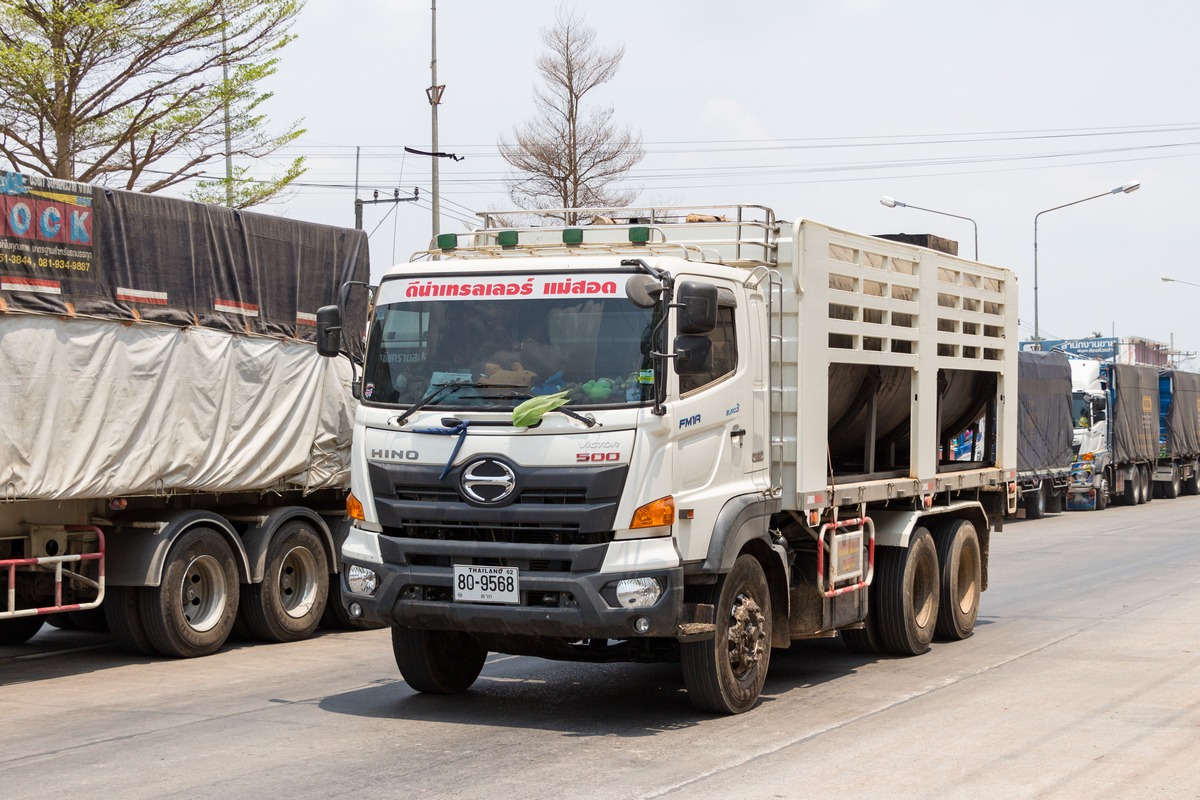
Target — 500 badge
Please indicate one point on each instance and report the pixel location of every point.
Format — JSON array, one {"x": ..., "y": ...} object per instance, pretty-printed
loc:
[{"x": 606, "y": 455}]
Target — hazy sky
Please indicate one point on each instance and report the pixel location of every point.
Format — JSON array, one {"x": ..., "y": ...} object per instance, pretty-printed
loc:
[{"x": 993, "y": 111}]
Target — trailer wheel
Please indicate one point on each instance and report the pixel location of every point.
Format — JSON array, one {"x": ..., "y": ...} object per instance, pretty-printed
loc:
[
  {"x": 1054, "y": 501},
  {"x": 437, "y": 662},
  {"x": 909, "y": 589},
  {"x": 287, "y": 605},
  {"x": 122, "y": 609},
  {"x": 961, "y": 571},
  {"x": 725, "y": 674},
  {"x": 1147, "y": 484},
  {"x": 1035, "y": 502},
  {"x": 191, "y": 612},
  {"x": 20, "y": 630},
  {"x": 1133, "y": 488},
  {"x": 1191, "y": 486},
  {"x": 1174, "y": 487}
]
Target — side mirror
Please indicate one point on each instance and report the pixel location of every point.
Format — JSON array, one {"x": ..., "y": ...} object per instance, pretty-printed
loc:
[
  {"x": 1099, "y": 403},
  {"x": 693, "y": 354},
  {"x": 329, "y": 331},
  {"x": 643, "y": 291},
  {"x": 697, "y": 304}
]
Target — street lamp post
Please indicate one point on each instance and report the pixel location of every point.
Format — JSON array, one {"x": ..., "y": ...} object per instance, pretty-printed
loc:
[
  {"x": 892, "y": 202},
  {"x": 1124, "y": 188}
]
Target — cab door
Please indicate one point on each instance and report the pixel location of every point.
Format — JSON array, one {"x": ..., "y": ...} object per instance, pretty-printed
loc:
[{"x": 713, "y": 440}]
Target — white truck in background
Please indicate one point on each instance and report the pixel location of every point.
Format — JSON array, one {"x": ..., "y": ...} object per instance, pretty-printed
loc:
[
  {"x": 174, "y": 457},
  {"x": 748, "y": 454}
]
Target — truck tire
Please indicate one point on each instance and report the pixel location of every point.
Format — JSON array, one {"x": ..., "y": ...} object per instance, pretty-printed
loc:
[
  {"x": 1191, "y": 486},
  {"x": 1133, "y": 488},
  {"x": 1035, "y": 502},
  {"x": 287, "y": 604},
  {"x": 91, "y": 620},
  {"x": 1147, "y": 484},
  {"x": 865, "y": 640},
  {"x": 20, "y": 630},
  {"x": 725, "y": 674},
  {"x": 1102, "y": 495},
  {"x": 1054, "y": 501},
  {"x": 62, "y": 621},
  {"x": 1174, "y": 487},
  {"x": 961, "y": 575},
  {"x": 437, "y": 662},
  {"x": 909, "y": 591},
  {"x": 122, "y": 609},
  {"x": 191, "y": 611}
]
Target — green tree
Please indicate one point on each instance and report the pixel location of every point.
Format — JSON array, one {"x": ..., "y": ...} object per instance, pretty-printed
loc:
[
  {"x": 143, "y": 94},
  {"x": 562, "y": 157}
]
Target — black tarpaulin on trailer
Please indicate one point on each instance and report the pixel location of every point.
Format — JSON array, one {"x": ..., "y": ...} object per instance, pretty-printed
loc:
[
  {"x": 74, "y": 249},
  {"x": 1044, "y": 424},
  {"x": 1183, "y": 415},
  {"x": 1133, "y": 416}
]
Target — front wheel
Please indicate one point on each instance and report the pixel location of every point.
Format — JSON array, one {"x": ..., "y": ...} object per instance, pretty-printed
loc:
[
  {"x": 909, "y": 594},
  {"x": 191, "y": 612},
  {"x": 961, "y": 570},
  {"x": 287, "y": 605},
  {"x": 1102, "y": 496},
  {"x": 726, "y": 673},
  {"x": 437, "y": 662}
]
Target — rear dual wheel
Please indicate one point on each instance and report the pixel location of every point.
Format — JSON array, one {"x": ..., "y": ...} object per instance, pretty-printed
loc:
[
  {"x": 908, "y": 592},
  {"x": 1035, "y": 502},
  {"x": 287, "y": 605},
  {"x": 961, "y": 566},
  {"x": 191, "y": 612}
]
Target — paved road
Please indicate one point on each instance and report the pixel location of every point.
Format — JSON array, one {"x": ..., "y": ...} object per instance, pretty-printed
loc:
[{"x": 1082, "y": 681}]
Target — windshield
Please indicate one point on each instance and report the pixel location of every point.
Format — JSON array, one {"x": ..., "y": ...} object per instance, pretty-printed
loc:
[{"x": 503, "y": 350}]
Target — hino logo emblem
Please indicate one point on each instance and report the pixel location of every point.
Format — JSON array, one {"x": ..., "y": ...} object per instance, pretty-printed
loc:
[{"x": 488, "y": 481}]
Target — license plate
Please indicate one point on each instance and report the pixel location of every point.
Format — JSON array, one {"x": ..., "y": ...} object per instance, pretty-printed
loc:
[{"x": 486, "y": 584}]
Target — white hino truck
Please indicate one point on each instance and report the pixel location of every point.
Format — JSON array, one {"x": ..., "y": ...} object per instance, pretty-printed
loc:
[
  {"x": 677, "y": 437},
  {"x": 174, "y": 454}
]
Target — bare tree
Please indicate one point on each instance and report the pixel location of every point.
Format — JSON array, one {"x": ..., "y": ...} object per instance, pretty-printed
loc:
[
  {"x": 562, "y": 158},
  {"x": 142, "y": 94}
]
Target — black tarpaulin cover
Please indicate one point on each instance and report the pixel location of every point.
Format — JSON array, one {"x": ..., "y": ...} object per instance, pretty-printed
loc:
[
  {"x": 1044, "y": 425},
  {"x": 1183, "y": 415},
  {"x": 74, "y": 249},
  {"x": 1133, "y": 415}
]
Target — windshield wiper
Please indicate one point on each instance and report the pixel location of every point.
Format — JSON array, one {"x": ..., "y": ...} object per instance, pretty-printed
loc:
[{"x": 445, "y": 388}]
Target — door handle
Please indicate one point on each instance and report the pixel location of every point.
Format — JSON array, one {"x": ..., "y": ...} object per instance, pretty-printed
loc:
[{"x": 738, "y": 433}]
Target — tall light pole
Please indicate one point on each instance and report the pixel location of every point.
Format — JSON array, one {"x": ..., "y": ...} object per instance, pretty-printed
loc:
[
  {"x": 892, "y": 202},
  {"x": 434, "y": 93},
  {"x": 1124, "y": 188}
]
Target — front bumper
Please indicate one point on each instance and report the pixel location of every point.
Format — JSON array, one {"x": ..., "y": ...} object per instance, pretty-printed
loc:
[{"x": 574, "y": 604}]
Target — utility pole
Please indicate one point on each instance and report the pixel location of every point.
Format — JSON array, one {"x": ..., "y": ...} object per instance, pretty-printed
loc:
[
  {"x": 395, "y": 198},
  {"x": 434, "y": 92},
  {"x": 228, "y": 127}
]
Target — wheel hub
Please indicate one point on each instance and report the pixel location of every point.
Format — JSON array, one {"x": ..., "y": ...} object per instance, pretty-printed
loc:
[{"x": 747, "y": 635}]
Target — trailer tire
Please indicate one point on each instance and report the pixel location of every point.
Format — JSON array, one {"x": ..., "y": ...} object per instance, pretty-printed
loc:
[
  {"x": 122, "y": 609},
  {"x": 92, "y": 620},
  {"x": 1133, "y": 488},
  {"x": 726, "y": 673},
  {"x": 1035, "y": 502},
  {"x": 909, "y": 590},
  {"x": 287, "y": 604},
  {"x": 1174, "y": 487},
  {"x": 1191, "y": 486},
  {"x": 961, "y": 568},
  {"x": 1054, "y": 501},
  {"x": 1147, "y": 484},
  {"x": 191, "y": 612},
  {"x": 20, "y": 630},
  {"x": 865, "y": 640},
  {"x": 437, "y": 662}
]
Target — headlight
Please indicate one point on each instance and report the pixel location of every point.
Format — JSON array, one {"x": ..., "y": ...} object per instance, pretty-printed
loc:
[
  {"x": 638, "y": 592},
  {"x": 361, "y": 580}
]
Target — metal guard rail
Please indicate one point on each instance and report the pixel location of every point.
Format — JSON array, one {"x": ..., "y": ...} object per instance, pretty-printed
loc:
[
  {"x": 9, "y": 568},
  {"x": 831, "y": 527}
]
